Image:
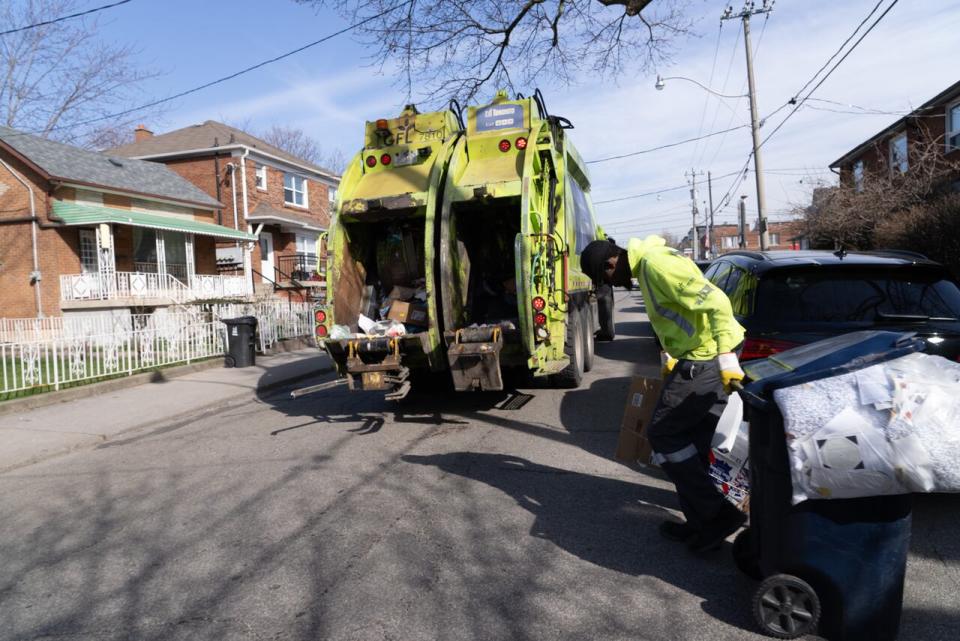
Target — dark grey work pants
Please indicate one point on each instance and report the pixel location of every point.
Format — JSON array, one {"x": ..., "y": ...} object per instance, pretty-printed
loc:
[{"x": 681, "y": 431}]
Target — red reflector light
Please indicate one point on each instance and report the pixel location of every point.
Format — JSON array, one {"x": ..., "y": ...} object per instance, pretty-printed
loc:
[
  {"x": 505, "y": 145},
  {"x": 540, "y": 319},
  {"x": 371, "y": 161},
  {"x": 754, "y": 348},
  {"x": 321, "y": 316},
  {"x": 539, "y": 303},
  {"x": 521, "y": 143},
  {"x": 385, "y": 159},
  {"x": 321, "y": 331}
]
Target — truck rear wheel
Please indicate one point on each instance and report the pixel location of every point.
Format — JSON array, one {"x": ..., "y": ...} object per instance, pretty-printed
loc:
[
  {"x": 572, "y": 374},
  {"x": 587, "y": 335},
  {"x": 608, "y": 328}
]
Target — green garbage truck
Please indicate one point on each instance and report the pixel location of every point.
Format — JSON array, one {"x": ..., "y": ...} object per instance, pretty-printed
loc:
[{"x": 454, "y": 247}]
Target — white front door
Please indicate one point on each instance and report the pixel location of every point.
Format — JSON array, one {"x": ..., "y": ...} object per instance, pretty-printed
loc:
[{"x": 266, "y": 256}]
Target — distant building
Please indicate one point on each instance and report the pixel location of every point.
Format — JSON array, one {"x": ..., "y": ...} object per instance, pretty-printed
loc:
[{"x": 726, "y": 237}]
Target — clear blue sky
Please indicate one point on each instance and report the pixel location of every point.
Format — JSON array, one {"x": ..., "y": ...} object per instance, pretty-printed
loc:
[{"x": 330, "y": 90}]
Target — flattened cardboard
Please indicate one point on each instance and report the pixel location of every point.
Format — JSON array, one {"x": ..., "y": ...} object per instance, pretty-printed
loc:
[
  {"x": 408, "y": 313},
  {"x": 632, "y": 445},
  {"x": 399, "y": 292}
]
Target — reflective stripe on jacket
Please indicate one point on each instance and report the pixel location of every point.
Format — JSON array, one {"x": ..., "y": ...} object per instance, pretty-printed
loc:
[{"x": 691, "y": 317}]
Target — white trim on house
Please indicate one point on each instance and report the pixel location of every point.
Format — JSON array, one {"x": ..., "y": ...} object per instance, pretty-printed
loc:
[
  {"x": 333, "y": 178},
  {"x": 183, "y": 204}
]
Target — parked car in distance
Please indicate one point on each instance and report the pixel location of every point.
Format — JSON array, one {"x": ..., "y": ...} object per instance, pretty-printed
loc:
[{"x": 789, "y": 298}]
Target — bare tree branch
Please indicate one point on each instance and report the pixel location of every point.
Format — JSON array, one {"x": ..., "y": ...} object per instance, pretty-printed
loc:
[
  {"x": 444, "y": 49},
  {"x": 59, "y": 75},
  {"x": 298, "y": 143}
]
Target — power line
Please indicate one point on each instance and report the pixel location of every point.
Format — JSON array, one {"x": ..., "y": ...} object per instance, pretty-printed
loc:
[
  {"x": 837, "y": 52},
  {"x": 62, "y": 18},
  {"x": 237, "y": 73},
  {"x": 798, "y": 104},
  {"x": 650, "y": 193},
  {"x": 706, "y": 100},
  {"x": 667, "y": 146}
]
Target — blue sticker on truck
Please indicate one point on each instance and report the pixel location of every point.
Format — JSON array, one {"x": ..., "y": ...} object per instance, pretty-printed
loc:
[{"x": 500, "y": 117}]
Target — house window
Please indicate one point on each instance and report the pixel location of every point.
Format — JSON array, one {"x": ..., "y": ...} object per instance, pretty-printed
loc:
[
  {"x": 953, "y": 127},
  {"x": 295, "y": 190},
  {"x": 261, "y": 175},
  {"x": 898, "y": 153},
  {"x": 729, "y": 242},
  {"x": 774, "y": 239},
  {"x": 332, "y": 195},
  {"x": 858, "y": 176},
  {"x": 88, "y": 251}
]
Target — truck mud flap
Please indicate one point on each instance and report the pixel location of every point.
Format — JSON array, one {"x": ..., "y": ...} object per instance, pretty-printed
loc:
[
  {"x": 474, "y": 358},
  {"x": 374, "y": 364}
]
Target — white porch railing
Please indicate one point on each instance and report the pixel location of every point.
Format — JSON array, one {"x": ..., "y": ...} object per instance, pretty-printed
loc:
[
  {"x": 57, "y": 362},
  {"x": 133, "y": 285},
  {"x": 275, "y": 321}
]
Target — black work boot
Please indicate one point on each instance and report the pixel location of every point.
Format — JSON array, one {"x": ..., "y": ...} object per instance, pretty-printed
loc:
[
  {"x": 728, "y": 521},
  {"x": 681, "y": 531}
]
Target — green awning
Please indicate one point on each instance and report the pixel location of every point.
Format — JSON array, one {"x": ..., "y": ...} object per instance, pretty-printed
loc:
[{"x": 74, "y": 213}]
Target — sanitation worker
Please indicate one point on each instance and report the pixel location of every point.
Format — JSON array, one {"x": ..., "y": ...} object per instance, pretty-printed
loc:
[{"x": 699, "y": 335}]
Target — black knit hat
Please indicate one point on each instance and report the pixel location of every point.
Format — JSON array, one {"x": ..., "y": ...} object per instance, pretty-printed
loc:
[{"x": 594, "y": 256}]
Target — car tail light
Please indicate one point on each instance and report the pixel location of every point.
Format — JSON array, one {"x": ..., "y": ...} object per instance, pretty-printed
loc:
[
  {"x": 520, "y": 143},
  {"x": 371, "y": 161},
  {"x": 539, "y": 303},
  {"x": 540, "y": 319},
  {"x": 505, "y": 145},
  {"x": 754, "y": 348},
  {"x": 321, "y": 331},
  {"x": 321, "y": 316}
]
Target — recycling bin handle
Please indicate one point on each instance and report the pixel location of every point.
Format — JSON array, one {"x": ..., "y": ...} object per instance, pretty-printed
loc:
[{"x": 757, "y": 401}]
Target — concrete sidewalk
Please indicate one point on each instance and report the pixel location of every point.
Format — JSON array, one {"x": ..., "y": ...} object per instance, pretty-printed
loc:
[{"x": 40, "y": 433}]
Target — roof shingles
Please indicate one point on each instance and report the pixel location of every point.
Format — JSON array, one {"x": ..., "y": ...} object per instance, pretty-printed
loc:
[
  {"x": 72, "y": 164},
  {"x": 207, "y": 135}
]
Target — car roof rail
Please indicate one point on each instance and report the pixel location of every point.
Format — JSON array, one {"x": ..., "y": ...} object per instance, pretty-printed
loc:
[
  {"x": 905, "y": 253},
  {"x": 747, "y": 253}
]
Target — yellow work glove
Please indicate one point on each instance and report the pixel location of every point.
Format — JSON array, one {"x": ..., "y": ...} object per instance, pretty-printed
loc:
[
  {"x": 667, "y": 363},
  {"x": 730, "y": 370}
]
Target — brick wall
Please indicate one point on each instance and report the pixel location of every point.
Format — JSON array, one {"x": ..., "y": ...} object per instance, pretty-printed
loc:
[{"x": 317, "y": 195}]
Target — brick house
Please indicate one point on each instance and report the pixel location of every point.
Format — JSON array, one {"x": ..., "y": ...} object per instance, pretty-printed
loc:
[
  {"x": 935, "y": 121},
  {"x": 266, "y": 191},
  {"x": 726, "y": 238},
  {"x": 85, "y": 231}
]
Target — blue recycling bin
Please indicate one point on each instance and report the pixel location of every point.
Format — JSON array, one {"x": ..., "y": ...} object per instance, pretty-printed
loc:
[{"x": 832, "y": 566}]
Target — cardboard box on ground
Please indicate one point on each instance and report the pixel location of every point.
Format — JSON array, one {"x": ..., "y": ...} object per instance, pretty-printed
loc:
[{"x": 729, "y": 471}]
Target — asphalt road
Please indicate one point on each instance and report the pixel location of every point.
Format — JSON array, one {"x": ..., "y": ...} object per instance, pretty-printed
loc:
[{"x": 341, "y": 516}]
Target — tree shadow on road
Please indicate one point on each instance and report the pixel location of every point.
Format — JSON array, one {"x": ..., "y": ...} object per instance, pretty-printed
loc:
[{"x": 607, "y": 522}]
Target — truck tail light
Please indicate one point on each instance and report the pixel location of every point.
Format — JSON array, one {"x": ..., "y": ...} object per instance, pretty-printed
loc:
[
  {"x": 539, "y": 303},
  {"x": 540, "y": 318},
  {"x": 520, "y": 143},
  {"x": 371, "y": 161},
  {"x": 321, "y": 331},
  {"x": 321, "y": 316},
  {"x": 505, "y": 145},
  {"x": 385, "y": 159}
]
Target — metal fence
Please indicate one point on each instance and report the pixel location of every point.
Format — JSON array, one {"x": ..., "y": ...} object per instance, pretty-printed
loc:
[
  {"x": 54, "y": 363},
  {"x": 49, "y": 353}
]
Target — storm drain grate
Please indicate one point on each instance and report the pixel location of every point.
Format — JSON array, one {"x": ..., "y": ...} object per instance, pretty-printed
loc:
[{"x": 515, "y": 401}]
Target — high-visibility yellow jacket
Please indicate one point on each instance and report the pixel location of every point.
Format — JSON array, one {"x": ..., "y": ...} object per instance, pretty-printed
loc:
[{"x": 691, "y": 317}]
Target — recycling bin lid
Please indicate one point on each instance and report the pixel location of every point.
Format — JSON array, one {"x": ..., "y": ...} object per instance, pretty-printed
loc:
[
  {"x": 829, "y": 357},
  {"x": 240, "y": 320}
]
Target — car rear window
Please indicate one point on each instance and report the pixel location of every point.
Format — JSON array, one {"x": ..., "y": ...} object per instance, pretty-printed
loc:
[{"x": 837, "y": 295}]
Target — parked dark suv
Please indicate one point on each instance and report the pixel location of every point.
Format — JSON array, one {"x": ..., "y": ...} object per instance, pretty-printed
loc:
[{"x": 788, "y": 298}]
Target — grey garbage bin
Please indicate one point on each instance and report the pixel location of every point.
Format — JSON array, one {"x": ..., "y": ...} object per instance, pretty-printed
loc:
[{"x": 241, "y": 341}]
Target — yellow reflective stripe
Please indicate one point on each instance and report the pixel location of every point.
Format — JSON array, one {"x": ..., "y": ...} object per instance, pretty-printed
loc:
[{"x": 669, "y": 314}]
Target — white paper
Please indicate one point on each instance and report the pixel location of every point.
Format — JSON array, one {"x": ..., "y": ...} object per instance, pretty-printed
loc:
[
  {"x": 365, "y": 324},
  {"x": 874, "y": 387},
  {"x": 729, "y": 424}
]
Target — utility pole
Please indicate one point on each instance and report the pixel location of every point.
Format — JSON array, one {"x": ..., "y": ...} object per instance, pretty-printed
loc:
[
  {"x": 743, "y": 222},
  {"x": 749, "y": 9},
  {"x": 710, "y": 224},
  {"x": 693, "y": 209}
]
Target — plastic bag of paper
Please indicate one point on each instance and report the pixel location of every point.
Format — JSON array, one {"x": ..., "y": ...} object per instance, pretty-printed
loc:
[{"x": 886, "y": 429}]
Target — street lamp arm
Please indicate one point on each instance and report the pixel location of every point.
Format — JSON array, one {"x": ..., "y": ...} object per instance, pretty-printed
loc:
[{"x": 660, "y": 85}]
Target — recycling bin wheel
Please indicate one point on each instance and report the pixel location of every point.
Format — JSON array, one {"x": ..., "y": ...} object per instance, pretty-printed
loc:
[
  {"x": 786, "y": 607},
  {"x": 745, "y": 555},
  {"x": 229, "y": 361}
]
